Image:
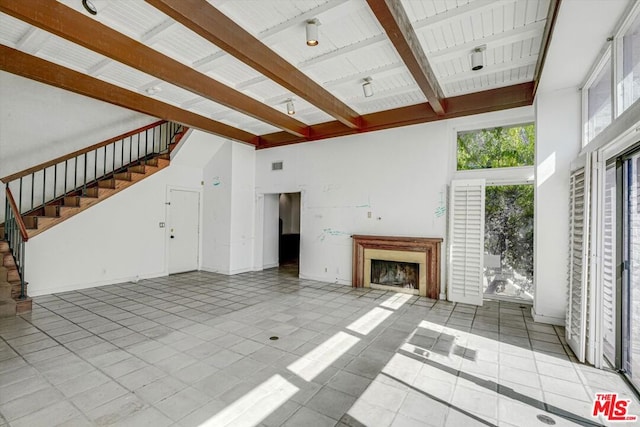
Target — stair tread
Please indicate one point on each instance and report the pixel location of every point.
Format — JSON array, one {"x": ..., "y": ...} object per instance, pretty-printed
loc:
[{"x": 44, "y": 223}]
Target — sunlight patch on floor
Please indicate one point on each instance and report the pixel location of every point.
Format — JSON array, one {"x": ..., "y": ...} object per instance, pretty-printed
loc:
[
  {"x": 396, "y": 301},
  {"x": 254, "y": 406},
  {"x": 368, "y": 322},
  {"x": 318, "y": 359}
]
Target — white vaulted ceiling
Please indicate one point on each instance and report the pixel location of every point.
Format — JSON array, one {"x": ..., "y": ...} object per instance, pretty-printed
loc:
[{"x": 353, "y": 45}]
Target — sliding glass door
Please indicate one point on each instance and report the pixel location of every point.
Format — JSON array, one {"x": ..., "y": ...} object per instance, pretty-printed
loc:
[{"x": 631, "y": 267}]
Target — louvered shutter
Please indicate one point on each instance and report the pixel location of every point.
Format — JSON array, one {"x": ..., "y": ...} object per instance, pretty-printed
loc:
[
  {"x": 466, "y": 237},
  {"x": 576, "y": 320},
  {"x": 608, "y": 265}
]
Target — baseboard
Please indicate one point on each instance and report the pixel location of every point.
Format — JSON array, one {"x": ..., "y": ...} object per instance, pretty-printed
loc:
[
  {"x": 551, "y": 320},
  {"x": 271, "y": 265},
  {"x": 226, "y": 272},
  {"x": 70, "y": 288},
  {"x": 324, "y": 279}
]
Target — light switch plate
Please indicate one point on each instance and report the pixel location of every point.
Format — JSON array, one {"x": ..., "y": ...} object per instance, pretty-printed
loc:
[{"x": 161, "y": 225}]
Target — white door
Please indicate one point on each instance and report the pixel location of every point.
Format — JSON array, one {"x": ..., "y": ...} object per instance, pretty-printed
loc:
[
  {"x": 184, "y": 218},
  {"x": 577, "y": 293},
  {"x": 466, "y": 241}
]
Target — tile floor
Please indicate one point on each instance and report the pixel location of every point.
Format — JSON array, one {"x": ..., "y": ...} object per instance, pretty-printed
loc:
[{"x": 195, "y": 350}]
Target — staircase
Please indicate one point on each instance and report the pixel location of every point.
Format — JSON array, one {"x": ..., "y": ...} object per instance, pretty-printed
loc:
[
  {"x": 69, "y": 185},
  {"x": 57, "y": 211},
  {"x": 10, "y": 283}
]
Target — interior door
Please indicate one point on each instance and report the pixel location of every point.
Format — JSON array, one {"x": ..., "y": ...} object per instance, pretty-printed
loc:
[{"x": 184, "y": 227}]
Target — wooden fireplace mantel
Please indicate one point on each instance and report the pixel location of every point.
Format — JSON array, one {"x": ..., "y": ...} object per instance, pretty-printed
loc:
[{"x": 427, "y": 245}]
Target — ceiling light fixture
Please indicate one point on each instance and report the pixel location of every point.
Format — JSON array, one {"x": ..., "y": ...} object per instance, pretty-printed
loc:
[
  {"x": 153, "y": 90},
  {"x": 89, "y": 7},
  {"x": 312, "y": 32},
  {"x": 477, "y": 58},
  {"x": 291, "y": 109},
  {"x": 367, "y": 87}
]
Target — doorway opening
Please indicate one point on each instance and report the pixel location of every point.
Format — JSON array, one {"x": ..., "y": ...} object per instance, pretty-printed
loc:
[
  {"x": 289, "y": 233},
  {"x": 508, "y": 243}
]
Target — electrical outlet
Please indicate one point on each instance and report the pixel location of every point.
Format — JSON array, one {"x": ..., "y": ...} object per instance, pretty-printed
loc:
[{"x": 368, "y": 214}]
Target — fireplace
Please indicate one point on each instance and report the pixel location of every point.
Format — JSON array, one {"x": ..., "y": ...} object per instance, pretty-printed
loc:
[
  {"x": 400, "y": 264},
  {"x": 402, "y": 275}
]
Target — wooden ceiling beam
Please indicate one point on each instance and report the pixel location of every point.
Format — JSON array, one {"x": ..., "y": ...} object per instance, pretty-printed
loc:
[
  {"x": 56, "y": 18},
  {"x": 210, "y": 23},
  {"x": 394, "y": 20},
  {"x": 22, "y": 64},
  {"x": 458, "y": 106}
]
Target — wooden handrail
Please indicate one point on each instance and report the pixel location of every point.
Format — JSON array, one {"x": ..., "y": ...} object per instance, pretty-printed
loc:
[
  {"x": 44, "y": 165},
  {"x": 16, "y": 214}
]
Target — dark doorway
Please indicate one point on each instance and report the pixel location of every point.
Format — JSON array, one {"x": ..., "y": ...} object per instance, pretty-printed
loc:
[{"x": 289, "y": 231}]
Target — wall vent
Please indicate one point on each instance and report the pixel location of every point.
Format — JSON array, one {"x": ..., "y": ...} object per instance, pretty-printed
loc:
[{"x": 276, "y": 166}]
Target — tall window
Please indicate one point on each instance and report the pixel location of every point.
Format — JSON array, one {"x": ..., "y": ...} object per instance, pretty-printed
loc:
[
  {"x": 599, "y": 102},
  {"x": 508, "y": 209},
  {"x": 631, "y": 63}
]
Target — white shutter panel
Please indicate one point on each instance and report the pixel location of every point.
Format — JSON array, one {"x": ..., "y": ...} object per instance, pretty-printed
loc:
[
  {"x": 608, "y": 265},
  {"x": 466, "y": 237},
  {"x": 576, "y": 320}
]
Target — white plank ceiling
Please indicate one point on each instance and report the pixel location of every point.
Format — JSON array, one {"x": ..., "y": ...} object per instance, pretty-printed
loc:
[{"x": 353, "y": 45}]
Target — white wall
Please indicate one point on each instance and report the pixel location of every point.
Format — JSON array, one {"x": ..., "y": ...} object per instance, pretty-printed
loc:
[
  {"x": 120, "y": 239},
  {"x": 242, "y": 208},
  {"x": 397, "y": 175},
  {"x": 229, "y": 205},
  {"x": 115, "y": 241},
  {"x": 557, "y": 144},
  {"x": 40, "y": 122},
  {"x": 216, "y": 246}
]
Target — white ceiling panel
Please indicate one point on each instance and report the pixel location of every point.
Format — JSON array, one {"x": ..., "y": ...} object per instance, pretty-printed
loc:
[
  {"x": 68, "y": 54},
  {"x": 173, "y": 94},
  {"x": 258, "y": 16},
  {"x": 232, "y": 71},
  {"x": 12, "y": 30},
  {"x": 125, "y": 76},
  {"x": 131, "y": 17},
  {"x": 341, "y": 26},
  {"x": 353, "y": 45},
  {"x": 182, "y": 44}
]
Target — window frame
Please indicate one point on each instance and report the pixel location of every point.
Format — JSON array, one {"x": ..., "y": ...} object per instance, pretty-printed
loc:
[
  {"x": 613, "y": 51},
  {"x": 606, "y": 57},
  {"x": 618, "y": 59},
  {"x": 513, "y": 175}
]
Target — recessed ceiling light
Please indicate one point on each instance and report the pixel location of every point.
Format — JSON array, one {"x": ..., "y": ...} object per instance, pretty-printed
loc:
[{"x": 89, "y": 7}]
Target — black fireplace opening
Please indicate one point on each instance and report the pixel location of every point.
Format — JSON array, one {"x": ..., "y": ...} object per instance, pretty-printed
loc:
[{"x": 394, "y": 273}]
